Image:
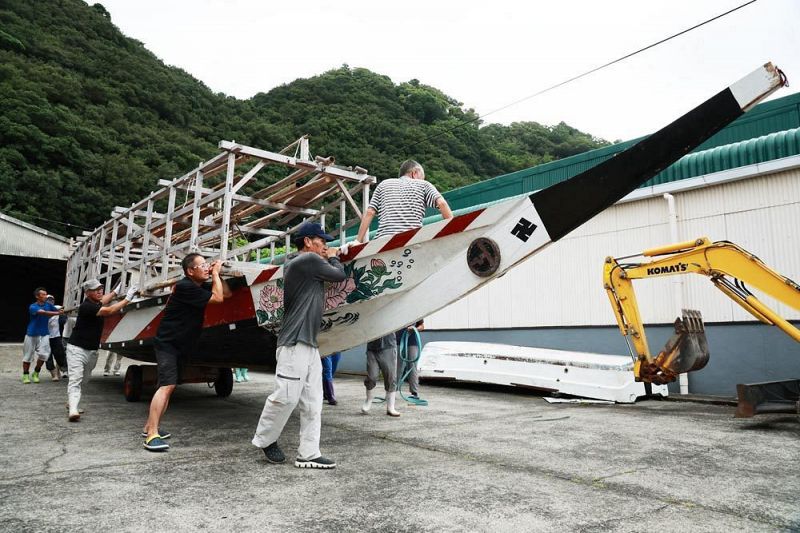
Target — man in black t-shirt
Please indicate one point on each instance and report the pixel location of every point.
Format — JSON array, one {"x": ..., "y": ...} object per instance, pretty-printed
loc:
[
  {"x": 84, "y": 341},
  {"x": 177, "y": 334}
]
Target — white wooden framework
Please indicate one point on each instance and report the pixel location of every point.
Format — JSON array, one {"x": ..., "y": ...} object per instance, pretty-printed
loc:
[{"x": 208, "y": 211}]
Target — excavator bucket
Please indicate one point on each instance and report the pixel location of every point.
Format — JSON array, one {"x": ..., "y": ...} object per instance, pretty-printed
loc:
[{"x": 685, "y": 351}]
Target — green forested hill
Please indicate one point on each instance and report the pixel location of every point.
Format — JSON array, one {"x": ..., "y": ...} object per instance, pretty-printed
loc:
[{"x": 90, "y": 119}]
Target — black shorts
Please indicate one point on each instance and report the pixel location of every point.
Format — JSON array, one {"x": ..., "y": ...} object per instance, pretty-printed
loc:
[{"x": 167, "y": 365}]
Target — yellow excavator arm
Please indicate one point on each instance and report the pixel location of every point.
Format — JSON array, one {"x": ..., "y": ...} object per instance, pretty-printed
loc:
[{"x": 727, "y": 265}]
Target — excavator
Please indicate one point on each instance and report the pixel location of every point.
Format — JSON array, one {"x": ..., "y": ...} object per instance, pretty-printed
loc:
[{"x": 728, "y": 267}]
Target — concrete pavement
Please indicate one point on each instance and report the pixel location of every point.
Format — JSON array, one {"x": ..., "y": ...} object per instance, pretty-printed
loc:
[{"x": 475, "y": 459}]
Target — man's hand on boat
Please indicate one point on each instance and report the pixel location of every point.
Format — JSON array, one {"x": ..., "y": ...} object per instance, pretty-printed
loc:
[
  {"x": 346, "y": 246},
  {"x": 132, "y": 290}
]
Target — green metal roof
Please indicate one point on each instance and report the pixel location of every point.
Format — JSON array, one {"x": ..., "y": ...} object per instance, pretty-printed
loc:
[{"x": 769, "y": 131}]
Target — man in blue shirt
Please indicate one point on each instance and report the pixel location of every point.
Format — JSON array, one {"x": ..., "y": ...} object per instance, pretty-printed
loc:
[{"x": 37, "y": 336}]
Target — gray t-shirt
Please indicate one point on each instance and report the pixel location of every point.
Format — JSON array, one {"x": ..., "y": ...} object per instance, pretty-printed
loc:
[{"x": 304, "y": 278}]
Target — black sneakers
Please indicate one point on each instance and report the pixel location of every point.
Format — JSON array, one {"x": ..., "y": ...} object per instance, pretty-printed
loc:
[
  {"x": 319, "y": 462},
  {"x": 274, "y": 453}
]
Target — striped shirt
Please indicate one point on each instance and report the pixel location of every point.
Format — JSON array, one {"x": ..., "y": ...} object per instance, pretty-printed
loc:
[{"x": 401, "y": 202}]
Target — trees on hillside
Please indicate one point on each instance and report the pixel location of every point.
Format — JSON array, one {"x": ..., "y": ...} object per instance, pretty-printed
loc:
[{"x": 90, "y": 119}]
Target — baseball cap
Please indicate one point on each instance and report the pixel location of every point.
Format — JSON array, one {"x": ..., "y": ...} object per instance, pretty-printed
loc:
[
  {"x": 312, "y": 229},
  {"x": 92, "y": 284}
]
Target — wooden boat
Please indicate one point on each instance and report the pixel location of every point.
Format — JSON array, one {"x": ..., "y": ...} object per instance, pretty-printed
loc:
[{"x": 392, "y": 281}]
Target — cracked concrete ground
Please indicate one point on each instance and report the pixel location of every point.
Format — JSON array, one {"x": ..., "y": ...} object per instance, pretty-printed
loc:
[{"x": 475, "y": 459}]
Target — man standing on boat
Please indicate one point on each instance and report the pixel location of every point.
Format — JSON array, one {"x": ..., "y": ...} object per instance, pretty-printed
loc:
[
  {"x": 84, "y": 341},
  {"x": 178, "y": 333},
  {"x": 298, "y": 374},
  {"x": 400, "y": 205}
]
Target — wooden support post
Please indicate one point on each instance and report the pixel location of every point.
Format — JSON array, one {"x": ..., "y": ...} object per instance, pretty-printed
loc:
[
  {"x": 126, "y": 253},
  {"x": 365, "y": 204},
  {"x": 226, "y": 208},
  {"x": 165, "y": 256},
  {"x": 145, "y": 246},
  {"x": 112, "y": 254},
  {"x": 198, "y": 186},
  {"x": 342, "y": 222}
]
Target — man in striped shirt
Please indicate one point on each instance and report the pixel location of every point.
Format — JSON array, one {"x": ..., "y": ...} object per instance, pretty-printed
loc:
[
  {"x": 400, "y": 205},
  {"x": 400, "y": 202}
]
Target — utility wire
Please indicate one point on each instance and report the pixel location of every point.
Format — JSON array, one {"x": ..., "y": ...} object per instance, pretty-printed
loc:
[
  {"x": 579, "y": 76},
  {"x": 54, "y": 221}
]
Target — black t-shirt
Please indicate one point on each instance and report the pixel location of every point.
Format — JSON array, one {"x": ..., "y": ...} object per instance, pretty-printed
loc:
[
  {"x": 183, "y": 316},
  {"x": 88, "y": 326}
]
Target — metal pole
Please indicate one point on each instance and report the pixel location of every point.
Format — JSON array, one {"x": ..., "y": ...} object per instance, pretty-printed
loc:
[{"x": 677, "y": 281}]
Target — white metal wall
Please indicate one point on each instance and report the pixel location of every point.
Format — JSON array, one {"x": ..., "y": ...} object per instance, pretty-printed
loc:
[
  {"x": 562, "y": 286},
  {"x": 22, "y": 239}
]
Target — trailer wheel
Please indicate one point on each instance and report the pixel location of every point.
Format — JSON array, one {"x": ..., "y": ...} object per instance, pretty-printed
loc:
[
  {"x": 224, "y": 384},
  {"x": 132, "y": 385}
]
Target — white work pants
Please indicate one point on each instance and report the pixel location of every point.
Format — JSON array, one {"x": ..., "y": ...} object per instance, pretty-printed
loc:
[
  {"x": 80, "y": 362},
  {"x": 298, "y": 379}
]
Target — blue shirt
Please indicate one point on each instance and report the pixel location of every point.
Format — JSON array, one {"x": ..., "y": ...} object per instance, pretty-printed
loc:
[{"x": 37, "y": 327}]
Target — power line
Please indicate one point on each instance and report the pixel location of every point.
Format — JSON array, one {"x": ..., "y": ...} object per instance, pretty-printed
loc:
[
  {"x": 579, "y": 76},
  {"x": 54, "y": 221}
]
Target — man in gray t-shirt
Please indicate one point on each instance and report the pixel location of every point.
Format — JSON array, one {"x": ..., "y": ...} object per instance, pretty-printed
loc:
[{"x": 298, "y": 374}]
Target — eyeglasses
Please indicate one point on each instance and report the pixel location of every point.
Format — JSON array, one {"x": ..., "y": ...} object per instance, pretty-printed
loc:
[{"x": 201, "y": 265}]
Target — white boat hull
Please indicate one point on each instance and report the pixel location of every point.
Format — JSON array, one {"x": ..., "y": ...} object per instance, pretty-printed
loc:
[{"x": 588, "y": 375}]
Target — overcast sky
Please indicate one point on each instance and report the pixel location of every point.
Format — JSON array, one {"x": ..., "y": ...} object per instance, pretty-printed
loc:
[{"x": 485, "y": 54}]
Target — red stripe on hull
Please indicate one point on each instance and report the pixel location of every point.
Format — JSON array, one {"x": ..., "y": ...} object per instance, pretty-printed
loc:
[
  {"x": 398, "y": 240},
  {"x": 352, "y": 252},
  {"x": 458, "y": 224},
  {"x": 150, "y": 330},
  {"x": 265, "y": 275},
  {"x": 109, "y": 324},
  {"x": 238, "y": 307}
]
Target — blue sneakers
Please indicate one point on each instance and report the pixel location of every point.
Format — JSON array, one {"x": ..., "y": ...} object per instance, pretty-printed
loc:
[{"x": 156, "y": 444}]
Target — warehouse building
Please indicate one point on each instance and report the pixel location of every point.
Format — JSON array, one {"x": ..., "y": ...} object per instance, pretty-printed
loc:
[
  {"x": 30, "y": 257},
  {"x": 742, "y": 185}
]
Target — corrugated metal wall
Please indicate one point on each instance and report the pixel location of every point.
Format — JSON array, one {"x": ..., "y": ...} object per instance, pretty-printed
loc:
[
  {"x": 20, "y": 239},
  {"x": 562, "y": 286}
]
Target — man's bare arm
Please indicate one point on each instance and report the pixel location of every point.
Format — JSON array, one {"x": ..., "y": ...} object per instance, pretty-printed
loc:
[
  {"x": 106, "y": 298},
  {"x": 226, "y": 290},
  {"x": 217, "y": 290},
  {"x": 444, "y": 208},
  {"x": 107, "y": 310},
  {"x": 366, "y": 220}
]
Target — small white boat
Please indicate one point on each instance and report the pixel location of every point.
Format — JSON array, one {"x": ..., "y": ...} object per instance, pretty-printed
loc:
[{"x": 588, "y": 375}]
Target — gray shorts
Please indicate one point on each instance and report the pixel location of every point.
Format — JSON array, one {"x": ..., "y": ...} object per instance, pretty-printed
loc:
[{"x": 38, "y": 346}]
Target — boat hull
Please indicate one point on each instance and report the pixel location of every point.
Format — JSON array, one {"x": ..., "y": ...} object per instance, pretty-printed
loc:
[{"x": 393, "y": 281}]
